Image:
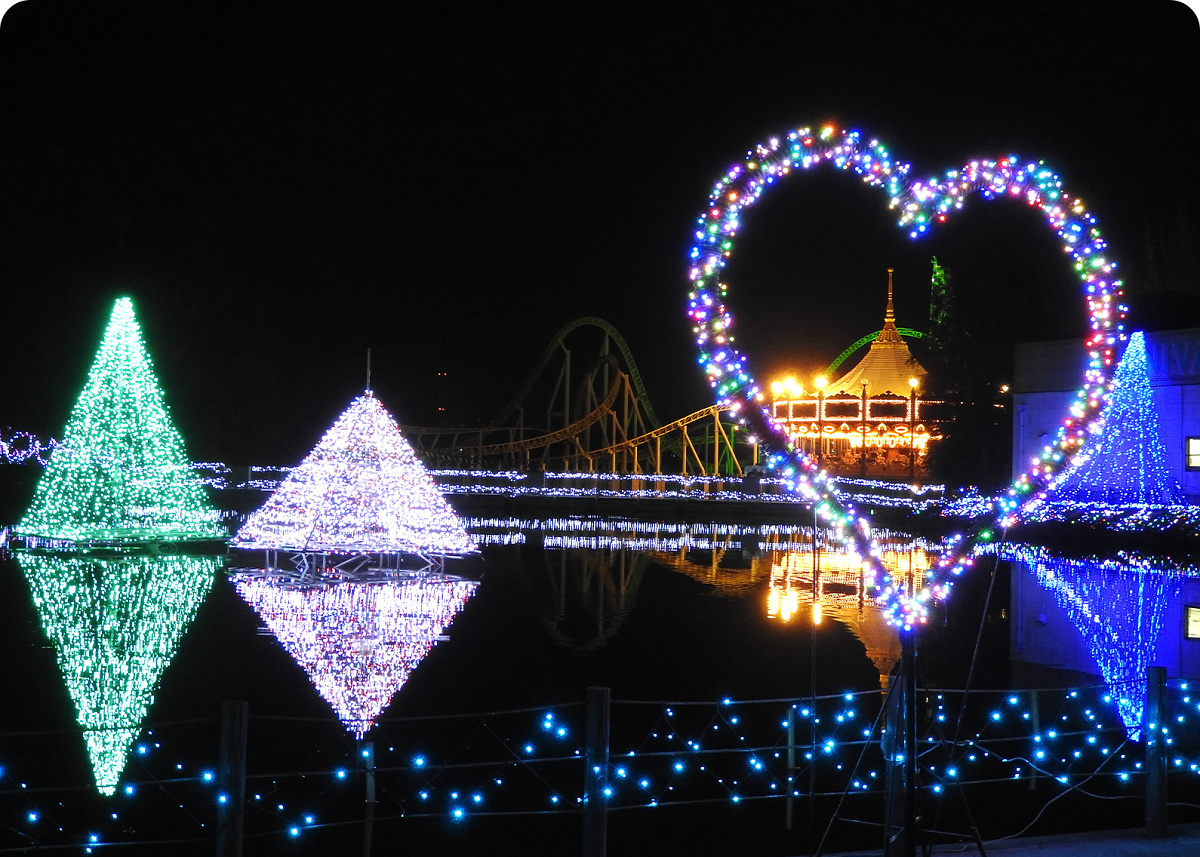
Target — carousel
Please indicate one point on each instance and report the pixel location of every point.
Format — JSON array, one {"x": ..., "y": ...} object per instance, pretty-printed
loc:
[{"x": 870, "y": 421}]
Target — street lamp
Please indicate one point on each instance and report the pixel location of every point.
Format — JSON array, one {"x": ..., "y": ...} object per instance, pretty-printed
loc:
[
  {"x": 821, "y": 381},
  {"x": 862, "y": 452},
  {"x": 912, "y": 421}
]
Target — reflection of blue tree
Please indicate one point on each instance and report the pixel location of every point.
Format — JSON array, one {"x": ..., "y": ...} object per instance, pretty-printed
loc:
[
  {"x": 1119, "y": 611},
  {"x": 115, "y": 625},
  {"x": 358, "y": 641},
  {"x": 1127, "y": 462}
]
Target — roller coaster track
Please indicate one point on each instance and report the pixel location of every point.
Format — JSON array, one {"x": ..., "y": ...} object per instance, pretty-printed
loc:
[
  {"x": 632, "y": 415},
  {"x": 556, "y": 342},
  {"x": 623, "y": 447},
  {"x": 870, "y": 337}
]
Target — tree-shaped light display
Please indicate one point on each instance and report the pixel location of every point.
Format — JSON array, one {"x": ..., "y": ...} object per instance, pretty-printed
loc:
[
  {"x": 115, "y": 625},
  {"x": 358, "y": 641},
  {"x": 1118, "y": 610},
  {"x": 1126, "y": 462},
  {"x": 120, "y": 472},
  {"x": 361, "y": 490}
]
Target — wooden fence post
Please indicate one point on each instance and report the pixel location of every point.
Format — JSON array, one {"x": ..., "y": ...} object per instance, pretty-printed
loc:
[
  {"x": 1156, "y": 756},
  {"x": 595, "y": 778},
  {"x": 231, "y": 778}
]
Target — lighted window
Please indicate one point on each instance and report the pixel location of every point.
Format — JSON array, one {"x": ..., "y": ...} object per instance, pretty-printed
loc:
[
  {"x": 1191, "y": 622},
  {"x": 1193, "y": 453}
]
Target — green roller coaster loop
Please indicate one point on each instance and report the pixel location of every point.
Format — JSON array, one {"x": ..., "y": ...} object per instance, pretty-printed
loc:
[{"x": 870, "y": 337}]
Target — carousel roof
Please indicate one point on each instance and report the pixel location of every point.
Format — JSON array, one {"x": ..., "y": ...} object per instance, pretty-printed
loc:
[{"x": 887, "y": 365}]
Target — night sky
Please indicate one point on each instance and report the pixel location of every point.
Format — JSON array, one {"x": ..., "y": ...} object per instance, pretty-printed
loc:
[{"x": 281, "y": 187}]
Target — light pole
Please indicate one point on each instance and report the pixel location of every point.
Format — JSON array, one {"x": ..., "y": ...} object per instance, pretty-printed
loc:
[
  {"x": 912, "y": 422},
  {"x": 862, "y": 452},
  {"x": 820, "y": 382}
]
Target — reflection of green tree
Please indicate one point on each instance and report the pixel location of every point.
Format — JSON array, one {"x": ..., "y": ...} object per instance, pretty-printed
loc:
[
  {"x": 115, "y": 625},
  {"x": 580, "y": 596}
]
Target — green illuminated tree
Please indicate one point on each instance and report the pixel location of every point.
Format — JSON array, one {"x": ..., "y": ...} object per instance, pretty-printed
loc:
[{"x": 120, "y": 473}]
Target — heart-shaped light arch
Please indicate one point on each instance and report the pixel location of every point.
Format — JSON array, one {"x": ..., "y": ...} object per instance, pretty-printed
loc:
[{"x": 920, "y": 204}]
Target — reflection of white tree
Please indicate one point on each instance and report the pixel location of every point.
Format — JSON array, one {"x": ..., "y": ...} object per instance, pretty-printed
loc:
[
  {"x": 361, "y": 490},
  {"x": 115, "y": 625},
  {"x": 358, "y": 641},
  {"x": 1118, "y": 610}
]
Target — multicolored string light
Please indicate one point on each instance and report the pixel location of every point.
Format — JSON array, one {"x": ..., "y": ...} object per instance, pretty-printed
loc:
[
  {"x": 920, "y": 205},
  {"x": 358, "y": 642},
  {"x": 19, "y": 447},
  {"x": 115, "y": 625},
  {"x": 361, "y": 490},
  {"x": 120, "y": 472}
]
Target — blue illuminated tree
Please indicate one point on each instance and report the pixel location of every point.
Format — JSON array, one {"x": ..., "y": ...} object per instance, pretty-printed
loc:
[{"x": 1126, "y": 462}]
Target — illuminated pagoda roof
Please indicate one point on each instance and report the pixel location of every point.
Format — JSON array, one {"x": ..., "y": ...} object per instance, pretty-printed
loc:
[
  {"x": 887, "y": 365},
  {"x": 361, "y": 490}
]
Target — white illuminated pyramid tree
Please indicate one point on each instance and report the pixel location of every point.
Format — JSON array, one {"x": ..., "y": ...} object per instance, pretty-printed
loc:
[
  {"x": 358, "y": 642},
  {"x": 1126, "y": 463},
  {"x": 120, "y": 472},
  {"x": 360, "y": 491}
]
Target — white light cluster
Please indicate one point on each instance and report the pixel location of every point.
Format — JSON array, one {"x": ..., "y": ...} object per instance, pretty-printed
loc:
[{"x": 361, "y": 490}]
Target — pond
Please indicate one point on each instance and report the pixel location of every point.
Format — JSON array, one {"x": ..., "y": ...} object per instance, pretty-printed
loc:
[{"x": 118, "y": 669}]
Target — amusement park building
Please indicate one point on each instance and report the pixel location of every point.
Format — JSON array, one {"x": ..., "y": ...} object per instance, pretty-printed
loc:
[
  {"x": 1047, "y": 375},
  {"x": 875, "y": 406}
]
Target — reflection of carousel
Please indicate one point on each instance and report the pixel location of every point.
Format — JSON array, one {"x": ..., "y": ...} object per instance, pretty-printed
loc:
[{"x": 830, "y": 583}]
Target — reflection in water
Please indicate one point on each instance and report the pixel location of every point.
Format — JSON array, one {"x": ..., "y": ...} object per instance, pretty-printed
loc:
[
  {"x": 115, "y": 624},
  {"x": 828, "y": 583},
  {"x": 358, "y": 641},
  {"x": 590, "y": 594},
  {"x": 1119, "y": 610},
  {"x": 580, "y": 597},
  {"x": 593, "y": 567}
]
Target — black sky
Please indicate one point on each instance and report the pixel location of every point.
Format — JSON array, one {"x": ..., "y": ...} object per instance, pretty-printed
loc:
[{"x": 280, "y": 187}]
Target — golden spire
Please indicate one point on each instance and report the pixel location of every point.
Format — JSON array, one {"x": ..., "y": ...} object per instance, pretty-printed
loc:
[{"x": 889, "y": 332}]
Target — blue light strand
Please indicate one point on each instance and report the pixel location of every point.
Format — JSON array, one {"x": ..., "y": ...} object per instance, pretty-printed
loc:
[{"x": 729, "y": 752}]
